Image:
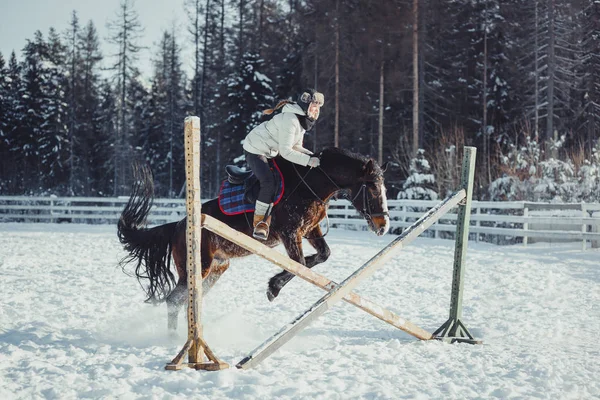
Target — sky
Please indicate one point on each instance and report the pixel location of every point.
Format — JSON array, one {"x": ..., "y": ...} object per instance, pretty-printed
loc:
[{"x": 19, "y": 19}]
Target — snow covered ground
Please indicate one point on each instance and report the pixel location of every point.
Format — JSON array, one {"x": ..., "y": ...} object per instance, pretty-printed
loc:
[{"x": 73, "y": 325}]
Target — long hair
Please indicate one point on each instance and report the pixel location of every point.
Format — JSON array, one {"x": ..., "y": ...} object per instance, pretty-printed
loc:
[{"x": 277, "y": 107}]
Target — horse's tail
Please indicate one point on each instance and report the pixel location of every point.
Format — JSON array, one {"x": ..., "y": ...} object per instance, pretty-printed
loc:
[{"x": 149, "y": 249}]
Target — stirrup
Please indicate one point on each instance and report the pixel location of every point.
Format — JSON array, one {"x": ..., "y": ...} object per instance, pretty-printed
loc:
[{"x": 261, "y": 231}]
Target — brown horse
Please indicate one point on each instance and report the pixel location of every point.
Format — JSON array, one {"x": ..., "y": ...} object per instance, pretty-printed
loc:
[{"x": 297, "y": 216}]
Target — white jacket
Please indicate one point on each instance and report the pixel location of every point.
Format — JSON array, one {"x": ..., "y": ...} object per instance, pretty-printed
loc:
[{"x": 282, "y": 134}]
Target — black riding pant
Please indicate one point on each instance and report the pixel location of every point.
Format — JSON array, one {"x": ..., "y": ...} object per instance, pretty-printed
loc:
[{"x": 260, "y": 166}]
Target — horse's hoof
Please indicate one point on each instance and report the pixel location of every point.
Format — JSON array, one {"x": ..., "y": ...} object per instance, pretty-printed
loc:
[{"x": 271, "y": 294}]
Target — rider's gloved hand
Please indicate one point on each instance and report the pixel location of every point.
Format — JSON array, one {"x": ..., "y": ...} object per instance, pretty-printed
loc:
[{"x": 314, "y": 162}]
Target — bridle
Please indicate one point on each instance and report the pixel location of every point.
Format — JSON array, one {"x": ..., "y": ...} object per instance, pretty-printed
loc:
[{"x": 366, "y": 209}]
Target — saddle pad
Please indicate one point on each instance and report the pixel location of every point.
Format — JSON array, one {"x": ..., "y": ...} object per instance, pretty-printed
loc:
[{"x": 232, "y": 200}]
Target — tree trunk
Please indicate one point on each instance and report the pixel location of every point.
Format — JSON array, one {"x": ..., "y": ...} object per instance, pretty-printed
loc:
[
  {"x": 415, "y": 135},
  {"x": 217, "y": 168},
  {"x": 537, "y": 76},
  {"x": 172, "y": 115},
  {"x": 241, "y": 33},
  {"x": 121, "y": 134},
  {"x": 316, "y": 72},
  {"x": 72, "y": 105},
  {"x": 381, "y": 107},
  {"x": 551, "y": 72},
  {"x": 484, "y": 130},
  {"x": 204, "y": 59},
  {"x": 260, "y": 26},
  {"x": 196, "y": 88},
  {"x": 336, "y": 130}
]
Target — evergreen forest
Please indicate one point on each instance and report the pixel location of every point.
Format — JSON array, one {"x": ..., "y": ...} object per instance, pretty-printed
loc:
[{"x": 407, "y": 82}]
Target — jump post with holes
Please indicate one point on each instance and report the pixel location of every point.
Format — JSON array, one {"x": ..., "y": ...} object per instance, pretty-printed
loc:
[{"x": 453, "y": 330}]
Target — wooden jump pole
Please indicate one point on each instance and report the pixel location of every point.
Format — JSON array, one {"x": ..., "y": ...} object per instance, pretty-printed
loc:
[
  {"x": 195, "y": 347},
  {"x": 336, "y": 294},
  {"x": 310, "y": 276}
]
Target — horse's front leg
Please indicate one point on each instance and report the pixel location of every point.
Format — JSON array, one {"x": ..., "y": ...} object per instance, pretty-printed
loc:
[
  {"x": 315, "y": 238},
  {"x": 293, "y": 247}
]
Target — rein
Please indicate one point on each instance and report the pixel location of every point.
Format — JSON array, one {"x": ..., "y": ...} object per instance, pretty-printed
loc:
[{"x": 302, "y": 180}]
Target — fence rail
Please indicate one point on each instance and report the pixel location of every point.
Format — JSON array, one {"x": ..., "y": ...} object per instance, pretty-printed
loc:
[{"x": 499, "y": 222}]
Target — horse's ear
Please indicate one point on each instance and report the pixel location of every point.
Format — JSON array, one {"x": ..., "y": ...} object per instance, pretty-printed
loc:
[
  {"x": 385, "y": 166},
  {"x": 368, "y": 168}
]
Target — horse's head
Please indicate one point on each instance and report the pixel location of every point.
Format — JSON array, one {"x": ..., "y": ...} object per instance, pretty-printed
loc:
[
  {"x": 363, "y": 181},
  {"x": 368, "y": 196}
]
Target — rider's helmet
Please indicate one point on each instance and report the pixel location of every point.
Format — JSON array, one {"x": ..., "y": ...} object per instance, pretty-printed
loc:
[{"x": 308, "y": 97}]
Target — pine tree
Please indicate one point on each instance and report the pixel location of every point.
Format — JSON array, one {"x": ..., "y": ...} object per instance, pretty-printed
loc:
[
  {"x": 164, "y": 145},
  {"x": 73, "y": 89},
  {"x": 420, "y": 184},
  {"x": 53, "y": 142},
  {"x": 125, "y": 32},
  {"x": 41, "y": 135},
  {"x": 101, "y": 153},
  {"x": 87, "y": 117},
  {"x": 4, "y": 83},
  {"x": 589, "y": 178},
  {"x": 249, "y": 93},
  {"x": 33, "y": 95},
  {"x": 4, "y": 124},
  {"x": 588, "y": 127},
  {"x": 13, "y": 116},
  {"x": 519, "y": 172},
  {"x": 557, "y": 183}
]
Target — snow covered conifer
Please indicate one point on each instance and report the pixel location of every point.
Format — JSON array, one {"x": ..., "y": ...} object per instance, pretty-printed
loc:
[
  {"x": 101, "y": 153},
  {"x": 42, "y": 134},
  {"x": 4, "y": 81},
  {"x": 249, "y": 93},
  {"x": 420, "y": 183},
  {"x": 557, "y": 181},
  {"x": 163, "y": 146},
  {"x": 520, "y": 167},
  {"x": 588, "y": 178},
  {"x": 4, "y": 126}
]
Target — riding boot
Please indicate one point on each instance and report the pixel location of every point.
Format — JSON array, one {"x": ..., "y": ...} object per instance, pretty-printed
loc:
[{"x": 261, "y": 226}]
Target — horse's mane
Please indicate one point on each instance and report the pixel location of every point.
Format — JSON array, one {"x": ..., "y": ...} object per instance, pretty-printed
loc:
[
  {"x": 332, "y": 152},
  {"x": 344, "y": 152}
]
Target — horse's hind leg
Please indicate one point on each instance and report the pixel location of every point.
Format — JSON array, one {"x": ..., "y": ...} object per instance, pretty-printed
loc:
[
  {"x": 294, "y": 250},
  {"x": 178, "y": 297},
  {"x": 175, "y": 300},
  {"x": 217, "y": 269}
]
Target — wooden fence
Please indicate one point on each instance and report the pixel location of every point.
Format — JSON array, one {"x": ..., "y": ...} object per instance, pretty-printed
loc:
[{"x": 498, "y": 222}]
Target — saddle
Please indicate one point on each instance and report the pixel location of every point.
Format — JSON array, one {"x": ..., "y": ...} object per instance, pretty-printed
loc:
[
  {"x": 240, "y": 190},
  {"x": 237, "y": 176}
]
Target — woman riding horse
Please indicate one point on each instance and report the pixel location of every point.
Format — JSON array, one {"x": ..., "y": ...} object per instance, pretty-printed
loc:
[
  {"x": 282, "y": 134},
  {"x": 297, "y": 216}
]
